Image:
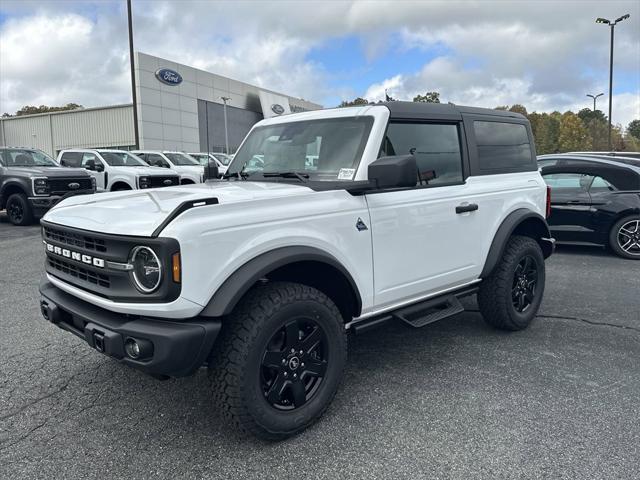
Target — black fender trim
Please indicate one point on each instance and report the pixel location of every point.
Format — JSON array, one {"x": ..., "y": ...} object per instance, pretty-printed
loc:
[
  {"x": 234, "y": 288},
  {"x": 506, "y": 229}
]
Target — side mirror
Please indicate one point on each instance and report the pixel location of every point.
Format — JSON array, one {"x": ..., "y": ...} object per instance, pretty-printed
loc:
[
  {"x": 90, "y": 165},
  {"x": 99, "y": 167},
  {"x": 394, "y": 172},
  {"x": 211, "y": 170}
]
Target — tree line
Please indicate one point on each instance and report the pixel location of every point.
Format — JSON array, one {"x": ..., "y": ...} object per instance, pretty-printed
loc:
[
  {"x": 32, "y": 110},
  {"x": 557, "y": 132}
]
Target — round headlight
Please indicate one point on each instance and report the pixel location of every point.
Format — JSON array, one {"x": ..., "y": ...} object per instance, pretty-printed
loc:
[{"x": 147, "y": 270}]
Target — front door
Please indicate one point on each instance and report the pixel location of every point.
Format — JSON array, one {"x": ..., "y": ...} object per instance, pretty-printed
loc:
[
  {"x": 421, "y": 245},
  {"x": 570, "y": 218}
]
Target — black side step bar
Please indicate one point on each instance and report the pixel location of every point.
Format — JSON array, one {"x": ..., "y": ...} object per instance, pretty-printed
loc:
[
  {"x": 421, "y": 313},
  {"x": 430, "y": 311}
]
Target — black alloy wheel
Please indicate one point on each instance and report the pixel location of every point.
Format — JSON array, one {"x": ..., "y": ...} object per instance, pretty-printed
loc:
[
  {"x": 18, "y": 210},
  {"x": 525, "y": 280},
  {"x": 294, "y": 364}
]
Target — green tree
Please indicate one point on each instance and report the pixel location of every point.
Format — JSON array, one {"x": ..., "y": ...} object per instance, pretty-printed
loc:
[
  {"x": 429, "y": 97},
  {"x": 31, "y": 110},
  {"x": 633, "y": 129},
  {"x": 598, "y": 135},
  {"x": 547, "y": 132},
  {"x": 517, "y": 108},
  {"x": 572, "y": 135},
  {"x": 586, "y": 115},
  {"x": 355, "y": 102}
]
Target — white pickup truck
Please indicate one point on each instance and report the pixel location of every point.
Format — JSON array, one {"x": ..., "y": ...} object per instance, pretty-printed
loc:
[
  {"x": 188, "y": 167},
  {"x": 405, "y": 208},
  {"x": 116, "y": 170}
]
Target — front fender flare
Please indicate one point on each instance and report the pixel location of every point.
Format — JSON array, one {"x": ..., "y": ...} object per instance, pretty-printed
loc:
[{"x": 238, "y": 283}]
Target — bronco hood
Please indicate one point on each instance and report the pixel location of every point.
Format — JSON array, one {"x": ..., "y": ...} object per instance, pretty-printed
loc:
[{"x": 141, "y": 212}]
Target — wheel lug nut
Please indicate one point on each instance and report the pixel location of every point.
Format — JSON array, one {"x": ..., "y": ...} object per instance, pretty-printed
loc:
[
  {"x": 295, "y": 375},
  {"x": 302, "y": 364},
  {"x": 284, "y": 361},
  {"x": 286, "y": 374}
]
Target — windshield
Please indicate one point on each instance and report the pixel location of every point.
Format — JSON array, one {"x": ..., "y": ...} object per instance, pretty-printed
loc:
[
  {"x": 15, "y": 157},
  {"x": 325, "y": 150},
  {"x": 181, "y": 158},
  {"x": 222, "y": 158},
  {"x": 122, "y": 159}
]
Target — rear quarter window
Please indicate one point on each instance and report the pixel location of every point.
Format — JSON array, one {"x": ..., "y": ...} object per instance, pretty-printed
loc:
[{"x": 503, "y": 147}]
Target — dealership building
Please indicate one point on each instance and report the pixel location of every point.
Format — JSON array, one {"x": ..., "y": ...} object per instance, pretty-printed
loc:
[{"x": 179, "y": 108}]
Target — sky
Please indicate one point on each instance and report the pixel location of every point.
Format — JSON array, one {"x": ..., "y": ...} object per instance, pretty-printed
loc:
[{"x": 546, "y": 55}]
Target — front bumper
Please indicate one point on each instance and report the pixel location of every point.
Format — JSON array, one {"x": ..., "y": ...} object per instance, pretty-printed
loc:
[
  {"x": 177, "y": 348},
  {"x": 40, "y": 205}
]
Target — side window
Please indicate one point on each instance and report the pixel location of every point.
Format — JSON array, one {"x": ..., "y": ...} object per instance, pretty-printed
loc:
[
  {"x": 89, "y": 156},
  {"x": 599, "y": 184},
  {"x": 71, "y": 159},
  {"x": 156, "y": 160},
  {"x": 502, "y": 146},
  {"x": 143, "y": 156},
  {"x": 435, "y": 146},
  {"x": 569, "y": 181}
]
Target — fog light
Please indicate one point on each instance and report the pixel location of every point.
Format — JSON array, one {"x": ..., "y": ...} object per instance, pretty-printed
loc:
[{"x": 138, "y": 349}]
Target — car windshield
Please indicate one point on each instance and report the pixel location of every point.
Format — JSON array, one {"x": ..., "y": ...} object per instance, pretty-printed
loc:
[
  {"x": 320, "y": 150},
  {"x": 122, "y": 159},
  {"x": 18, "y": 157},
  {"x": 222, "y": 158},
  {"x": 181, "y": 158}
]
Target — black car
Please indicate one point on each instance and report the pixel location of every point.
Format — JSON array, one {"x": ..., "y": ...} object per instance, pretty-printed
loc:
[
  {"x": 596, "y": 202},
  {"x": 31, "y": 182}
]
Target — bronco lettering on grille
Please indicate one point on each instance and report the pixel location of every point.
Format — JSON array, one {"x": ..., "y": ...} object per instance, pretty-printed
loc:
[{"x": 78, "y": 257}]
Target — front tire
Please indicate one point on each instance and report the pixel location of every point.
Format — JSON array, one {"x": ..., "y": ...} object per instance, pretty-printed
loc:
[
  {"x": 18, "y": 210},
  {"x": 280, "y": 359},
  {"x": 624, "y": 237},
  {"x": 510, "y": 296}
]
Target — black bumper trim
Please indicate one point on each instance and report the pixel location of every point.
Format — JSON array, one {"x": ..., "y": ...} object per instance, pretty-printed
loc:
[{"x": 179, "y": 347}]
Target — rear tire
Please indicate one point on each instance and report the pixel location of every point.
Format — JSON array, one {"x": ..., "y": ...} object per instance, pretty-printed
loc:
[
  {"x": 18, "y": 210},
  {"x": 624, "y": 237},
  {"x": 510, "y": 296},
  {"x": 279, "y": 360}
]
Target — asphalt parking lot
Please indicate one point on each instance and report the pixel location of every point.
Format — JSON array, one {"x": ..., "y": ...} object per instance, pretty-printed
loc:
[{"x": 455, "y": 399}]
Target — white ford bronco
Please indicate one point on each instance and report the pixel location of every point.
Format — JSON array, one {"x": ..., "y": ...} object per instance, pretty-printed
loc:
[
  {"x": 116, "y": 170},
  {"x": 406, "y": 208}
]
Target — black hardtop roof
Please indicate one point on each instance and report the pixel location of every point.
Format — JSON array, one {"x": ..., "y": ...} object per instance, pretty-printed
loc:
[{"x": 442, "y": 110}]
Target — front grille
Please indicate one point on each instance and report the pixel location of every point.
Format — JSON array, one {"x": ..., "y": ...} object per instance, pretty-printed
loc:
[
  {"x": 158, "y": 181},
  {"x": 75, "y": 239},
  {"x": 60, "y": 186},
  {"x": 79, "y": 272}
]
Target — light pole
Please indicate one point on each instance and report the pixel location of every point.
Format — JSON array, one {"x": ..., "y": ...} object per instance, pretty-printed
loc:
[
  {"x": 133, "y": 76},
  {"x": 612, "y": 25},
  {"x": 226, "y": 133},
  {"x": 594, "y": 99}
]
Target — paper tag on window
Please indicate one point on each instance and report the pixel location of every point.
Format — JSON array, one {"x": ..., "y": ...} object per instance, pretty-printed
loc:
[{"x": 346, "y": 173}]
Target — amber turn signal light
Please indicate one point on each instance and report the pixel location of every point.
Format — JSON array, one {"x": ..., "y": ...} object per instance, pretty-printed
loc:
[{"x": 175, "y": 267}]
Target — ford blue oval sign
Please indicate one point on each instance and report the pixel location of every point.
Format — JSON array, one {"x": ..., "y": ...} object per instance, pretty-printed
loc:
[
  {"x": 277, "y": 109},
  {"x": 168, "y": 76}
]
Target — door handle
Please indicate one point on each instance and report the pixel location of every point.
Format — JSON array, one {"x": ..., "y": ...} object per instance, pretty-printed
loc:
[{"x": 470, "y": 207}]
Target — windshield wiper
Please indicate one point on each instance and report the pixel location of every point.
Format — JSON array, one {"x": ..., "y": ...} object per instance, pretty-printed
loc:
[
  {"x": 240, "y": 175},
  {"x": 290, "y": 174}
]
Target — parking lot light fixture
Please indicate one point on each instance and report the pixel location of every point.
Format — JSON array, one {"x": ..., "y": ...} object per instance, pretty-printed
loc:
[
  {"x": 594, "y": 99},
  {"x": 605, "y": 21}
]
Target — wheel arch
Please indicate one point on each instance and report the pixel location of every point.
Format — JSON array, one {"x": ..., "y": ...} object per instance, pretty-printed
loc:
[
  {"x": 519, "y": 222},
  {"x": 302, "y": 264},
  {"x": 9, "y": 189},
  {"x": 120, "y": 183}
]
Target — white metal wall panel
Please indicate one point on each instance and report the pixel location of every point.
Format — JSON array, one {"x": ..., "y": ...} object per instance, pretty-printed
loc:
[
  {"x": 32, "y": 132},
  {"x": 105, "y": 127}
]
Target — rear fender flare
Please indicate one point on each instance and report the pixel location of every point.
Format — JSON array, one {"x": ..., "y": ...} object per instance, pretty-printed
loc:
[{"x": 536, "y": 228}]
